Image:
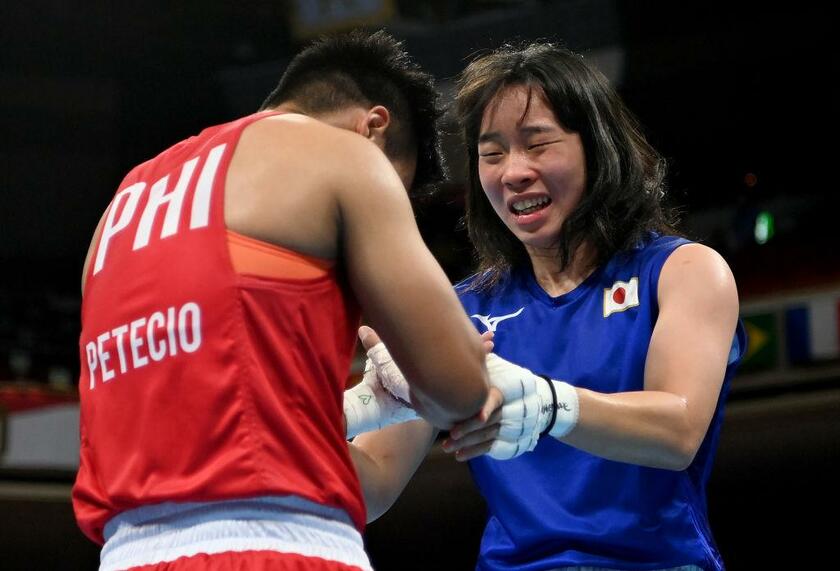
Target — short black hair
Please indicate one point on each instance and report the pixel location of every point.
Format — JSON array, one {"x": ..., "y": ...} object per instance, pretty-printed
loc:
[
  {"x": 625, "y": 176},
  {"x": 361, "y": 68}
]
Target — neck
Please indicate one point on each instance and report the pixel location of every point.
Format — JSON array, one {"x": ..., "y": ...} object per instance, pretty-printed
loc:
[
  {"x": 288, "y": 107},
  {"x": 554, "y": 279}
]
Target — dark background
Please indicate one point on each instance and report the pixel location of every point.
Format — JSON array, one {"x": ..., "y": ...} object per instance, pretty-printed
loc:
[{"x": 740, "y": 100}]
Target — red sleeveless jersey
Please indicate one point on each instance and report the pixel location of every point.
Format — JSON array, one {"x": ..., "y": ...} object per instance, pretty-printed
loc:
[{"x": 199, "y": 383}]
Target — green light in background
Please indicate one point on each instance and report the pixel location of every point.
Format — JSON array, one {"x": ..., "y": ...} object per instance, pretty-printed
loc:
[{"x": 764, "y": 227}]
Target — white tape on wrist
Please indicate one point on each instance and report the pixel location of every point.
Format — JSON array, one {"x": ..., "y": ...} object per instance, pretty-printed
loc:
[
  {"x": 387, "y": 372},
  {"x": 533, "y": 407},
  {"x": 371, "y": 405},
  {"x": 567, "y": 409},
  {"x": 361, "y": 410}
]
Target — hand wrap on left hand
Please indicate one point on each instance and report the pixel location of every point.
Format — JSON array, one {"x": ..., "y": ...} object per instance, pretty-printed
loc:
[
  {"x": 381, "y": 399},
  {"x": 533, "y": 406}
]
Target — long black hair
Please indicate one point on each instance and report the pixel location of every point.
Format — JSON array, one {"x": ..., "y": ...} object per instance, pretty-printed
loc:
[{"x": 625, "y": 176}]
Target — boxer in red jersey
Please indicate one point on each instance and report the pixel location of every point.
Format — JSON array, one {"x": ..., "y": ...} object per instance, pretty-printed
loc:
[{"x": 221, "y": 296}]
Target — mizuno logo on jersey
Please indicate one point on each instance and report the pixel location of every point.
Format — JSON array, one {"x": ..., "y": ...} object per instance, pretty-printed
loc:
[
  {"x": 621, "y": 296},
  {"x": 491, "y": 323}
]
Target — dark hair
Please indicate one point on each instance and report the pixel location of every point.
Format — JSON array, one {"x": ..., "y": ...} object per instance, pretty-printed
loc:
[
  {"x": 367, "y": 69},
  {"x": 625, "y": 176}
]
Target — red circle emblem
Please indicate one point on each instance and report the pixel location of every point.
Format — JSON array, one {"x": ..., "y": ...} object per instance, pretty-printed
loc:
[{"x": 619, "y": 295}]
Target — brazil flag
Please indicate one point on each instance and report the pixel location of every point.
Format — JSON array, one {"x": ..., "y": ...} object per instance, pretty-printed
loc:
[{"x": 762, "y": 348}]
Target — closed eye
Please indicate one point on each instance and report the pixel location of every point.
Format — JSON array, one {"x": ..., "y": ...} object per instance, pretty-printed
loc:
[{"x": 537, "y": 145}]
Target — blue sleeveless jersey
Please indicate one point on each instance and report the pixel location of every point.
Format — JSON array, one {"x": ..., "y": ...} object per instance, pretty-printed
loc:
[{"x": 559, "y": 506}]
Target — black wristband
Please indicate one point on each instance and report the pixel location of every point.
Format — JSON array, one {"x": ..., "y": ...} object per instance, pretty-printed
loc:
[{"x": 553, "y": 406}]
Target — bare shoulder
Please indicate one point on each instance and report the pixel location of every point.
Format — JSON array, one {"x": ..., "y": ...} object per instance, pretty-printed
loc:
[
  {"x": 700, "y": 273},
  {"x": 292, "y": 177},
  {"x": 284, "y": 182},
  {"x": 328, "y": 147},
  {"x": 694, "y": 261}
]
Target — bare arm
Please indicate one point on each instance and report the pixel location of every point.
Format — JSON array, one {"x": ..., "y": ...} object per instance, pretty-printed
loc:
[
  {"x": 404, "y": 293},
  {"x": 386, "y": 460},
  {"x": 328, "y": 192},
  {"x": 663, "y": 425}
]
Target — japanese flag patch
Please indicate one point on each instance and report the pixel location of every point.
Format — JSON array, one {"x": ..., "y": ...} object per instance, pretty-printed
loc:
[{"x": 621, "y": 296}]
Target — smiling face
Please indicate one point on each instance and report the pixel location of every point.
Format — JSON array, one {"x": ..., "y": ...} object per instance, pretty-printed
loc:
[{"x": 531, "y": 168}]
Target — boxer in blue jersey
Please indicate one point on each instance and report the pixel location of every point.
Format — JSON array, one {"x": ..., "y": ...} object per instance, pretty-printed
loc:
[{"x": 615, "y": 339}]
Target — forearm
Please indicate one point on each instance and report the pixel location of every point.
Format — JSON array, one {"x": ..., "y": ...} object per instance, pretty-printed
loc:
[
  {"x": 661, "y": 426},
  {"x": 650, "y": 428},
  {"x": 450, "y": 388},
  {"x": 656, "y": 428},
  {"x": 373, "y": 481},
  {"x": 435, "y": 414},
  {"x": 386, "y": 460}
]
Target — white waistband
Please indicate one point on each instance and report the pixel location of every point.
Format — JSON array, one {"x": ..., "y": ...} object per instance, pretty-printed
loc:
[
  {"x": 681, "y": 568},
  {"x": 165, "y": 532}
]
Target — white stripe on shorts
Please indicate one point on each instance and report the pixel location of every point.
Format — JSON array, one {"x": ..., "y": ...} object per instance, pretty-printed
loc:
[{"x": 164, "y": 532}]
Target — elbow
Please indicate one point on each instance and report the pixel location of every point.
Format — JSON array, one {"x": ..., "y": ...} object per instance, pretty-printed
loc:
[
  {"x": 443, "y": 412},
  {"x": 473, "y": 386},
  {"x": 675, "y": 462},
  {"x": 468, "y": 386},
  {"x": 455, "y": 399},
  {"x": 680, "y": 440},
  {"x": 469, "y": 401},
  {"x": 378, "y": 508},
  {"x": 680, "y": 453}
]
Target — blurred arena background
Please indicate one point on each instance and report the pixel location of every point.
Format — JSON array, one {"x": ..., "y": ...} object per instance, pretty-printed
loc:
[{"x": 739, "y": 98}]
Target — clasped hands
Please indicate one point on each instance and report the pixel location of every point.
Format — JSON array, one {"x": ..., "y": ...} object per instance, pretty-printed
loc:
[{"x": 518, "y": 410}]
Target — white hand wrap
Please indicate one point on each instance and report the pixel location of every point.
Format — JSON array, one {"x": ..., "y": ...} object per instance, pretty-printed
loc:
[
  {"x": 389, "y": 375},
  {"x": 381, "y": 399},
  {"x": 533, "y": 406}
]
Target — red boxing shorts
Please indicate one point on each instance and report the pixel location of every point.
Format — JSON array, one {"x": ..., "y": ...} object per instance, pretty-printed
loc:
[{"x": 248, "y": 561}]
